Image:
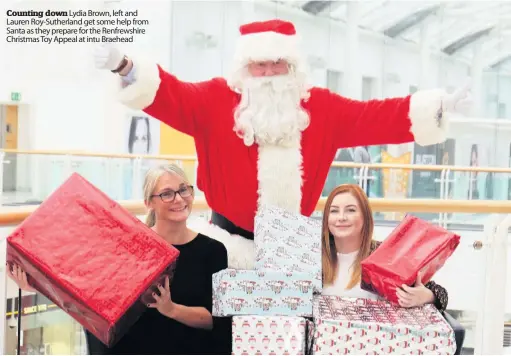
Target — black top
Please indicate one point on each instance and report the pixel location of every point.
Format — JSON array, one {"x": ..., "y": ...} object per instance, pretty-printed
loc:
[{"x": 155, "y": 334}]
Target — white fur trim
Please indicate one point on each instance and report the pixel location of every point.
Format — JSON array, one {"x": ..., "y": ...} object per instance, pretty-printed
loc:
[
  {"x": 266, "y": 46},
  {"x": 141, "y": 93},
  {"x": 240, "y": 251},
  {"x": 424, "y": 106},
  {"x": 279, "y": 173}
]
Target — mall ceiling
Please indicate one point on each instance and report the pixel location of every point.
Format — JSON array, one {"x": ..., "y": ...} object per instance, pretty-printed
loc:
[{"x": 458, "y": 28}]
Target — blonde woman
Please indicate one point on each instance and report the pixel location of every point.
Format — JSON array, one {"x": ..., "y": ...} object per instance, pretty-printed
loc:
[
  {"x": 347, "y": 240},
  {"x": 180, "y": 321}
]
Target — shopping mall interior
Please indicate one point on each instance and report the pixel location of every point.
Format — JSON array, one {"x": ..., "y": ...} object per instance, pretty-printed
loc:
[{"x": 59, "y": 115}]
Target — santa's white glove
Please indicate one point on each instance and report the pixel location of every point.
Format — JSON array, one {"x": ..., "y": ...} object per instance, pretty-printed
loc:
[
  {"x": 459, "y": 101},
  {"x": 107, "y": 57}
]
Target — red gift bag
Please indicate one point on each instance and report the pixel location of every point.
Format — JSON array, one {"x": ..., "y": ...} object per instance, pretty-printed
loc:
[
  {"x": 92, "y": 258},
  {"x": 415, "y": 245}
]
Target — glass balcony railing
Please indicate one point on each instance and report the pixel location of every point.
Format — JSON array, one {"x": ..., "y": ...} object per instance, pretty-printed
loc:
[
  {"x": 475, "y": 276},
  {"x": 29, "y": 177}
]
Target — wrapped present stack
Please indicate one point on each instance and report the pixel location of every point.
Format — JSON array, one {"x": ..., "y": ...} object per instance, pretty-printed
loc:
[
  {"x": 92, "y": 258},
  {"x": 362, "y": 326},
  {"x": 270, "y": 305}
]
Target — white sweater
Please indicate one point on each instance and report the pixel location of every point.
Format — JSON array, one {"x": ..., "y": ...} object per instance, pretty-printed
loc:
[{"x": 345, "y": 262}]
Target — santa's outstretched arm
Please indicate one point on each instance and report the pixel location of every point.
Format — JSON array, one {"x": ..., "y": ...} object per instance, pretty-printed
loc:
[
  {"x": 145, "y": 85},
  {"x": 422, "y": 117}
]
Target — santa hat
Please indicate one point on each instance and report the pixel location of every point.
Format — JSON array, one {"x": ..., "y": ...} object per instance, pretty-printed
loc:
[{"x": 267, "y": 41}]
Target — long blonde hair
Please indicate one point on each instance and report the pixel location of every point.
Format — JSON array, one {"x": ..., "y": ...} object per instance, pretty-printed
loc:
[
  {"x": 329, "y": 252},
  {"x": 151, "y": 180}
]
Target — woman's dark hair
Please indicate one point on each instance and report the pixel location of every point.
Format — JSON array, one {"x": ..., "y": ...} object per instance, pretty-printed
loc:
[
  {"x": 472, "y": 151},
  {"x": 133, "y": 132}
]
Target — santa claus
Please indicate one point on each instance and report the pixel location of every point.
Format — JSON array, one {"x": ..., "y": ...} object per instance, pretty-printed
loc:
[{"x": 263, "y": 135}]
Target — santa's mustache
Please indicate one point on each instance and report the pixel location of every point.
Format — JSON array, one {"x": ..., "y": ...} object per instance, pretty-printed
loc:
[{"x": 275, "y": 83}]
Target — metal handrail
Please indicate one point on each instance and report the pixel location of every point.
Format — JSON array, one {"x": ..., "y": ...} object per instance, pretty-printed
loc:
[
  {"x": 15, "y": 215},
  {"x": 192, "y": 158}
]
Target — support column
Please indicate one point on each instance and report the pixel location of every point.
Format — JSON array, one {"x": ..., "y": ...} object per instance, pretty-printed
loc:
[
  {"x": 352, "y": 87},
  {"x": 489, "y": 336},
  {"x": 425, "y": 57},
  {"x": 476, "y": 72}
]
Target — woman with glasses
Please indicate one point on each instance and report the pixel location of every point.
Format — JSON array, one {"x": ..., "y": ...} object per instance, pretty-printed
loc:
[{"x": 180, "y": 319}]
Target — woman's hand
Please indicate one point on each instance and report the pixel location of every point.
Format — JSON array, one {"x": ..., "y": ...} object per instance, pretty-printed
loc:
[
  {"x": 164, "y": 302},
  {"x": 417, "y": 296},
  {"x": 19, "y": 277}
]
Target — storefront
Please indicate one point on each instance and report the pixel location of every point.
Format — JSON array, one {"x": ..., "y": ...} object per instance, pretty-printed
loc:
[{"x": 45, "y": 329}]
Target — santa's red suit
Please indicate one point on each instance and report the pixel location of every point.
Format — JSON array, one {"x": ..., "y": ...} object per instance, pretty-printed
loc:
[{"x": 240, "y": 165}]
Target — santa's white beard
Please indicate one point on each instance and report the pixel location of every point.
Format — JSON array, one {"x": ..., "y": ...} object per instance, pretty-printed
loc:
[
  {"x": 270, "y": 114},
  {"x": 270, "y": 111}
]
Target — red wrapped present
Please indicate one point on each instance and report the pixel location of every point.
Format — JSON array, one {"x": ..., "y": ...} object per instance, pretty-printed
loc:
[
  {"x": 92, "y": 258},
  {"x": 414, "y": 246}
]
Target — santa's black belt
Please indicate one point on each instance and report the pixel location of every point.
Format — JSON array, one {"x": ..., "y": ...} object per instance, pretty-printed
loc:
[{"x": 226, "y": 224}]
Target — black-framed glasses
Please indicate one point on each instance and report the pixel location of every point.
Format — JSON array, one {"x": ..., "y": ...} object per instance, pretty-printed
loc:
[{"x": 168, "y": 196}]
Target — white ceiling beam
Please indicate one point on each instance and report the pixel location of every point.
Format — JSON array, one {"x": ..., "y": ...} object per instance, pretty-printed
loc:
[
  {"x": 476, "y": 8},
  {"x": 491, "y": 46},
  {"x": 491, "y": 60},
  {"x": 292, "y": 10},
  {"x": 494, "y": 40},
  {"x": 389, "y": 20},
  {"x": 371, "y": 6},
  {"x": 498, "y": 15},
  {"x": 467, "y": 31}
]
